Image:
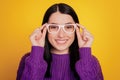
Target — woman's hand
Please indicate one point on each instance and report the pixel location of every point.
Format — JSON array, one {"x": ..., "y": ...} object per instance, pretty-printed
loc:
[
  {"x": 85, "y": 39},
  {"x": 37, "y": 38}
]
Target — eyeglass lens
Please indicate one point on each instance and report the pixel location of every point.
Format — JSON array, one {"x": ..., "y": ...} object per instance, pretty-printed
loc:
[{"x": 54, "y": 28}]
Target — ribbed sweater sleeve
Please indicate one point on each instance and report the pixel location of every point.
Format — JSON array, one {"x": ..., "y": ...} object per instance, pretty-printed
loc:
[
  {"x": 35, "y": 66},
  {"x": 88, "y": 66}
]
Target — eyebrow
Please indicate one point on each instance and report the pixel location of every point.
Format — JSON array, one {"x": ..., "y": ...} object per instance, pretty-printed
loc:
[
  {"x": 69, "y": 23},
  {"x": 65, "y": 23}
]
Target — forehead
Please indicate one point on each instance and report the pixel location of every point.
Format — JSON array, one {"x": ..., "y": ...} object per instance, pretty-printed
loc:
[{"x": 60, "y": 18}]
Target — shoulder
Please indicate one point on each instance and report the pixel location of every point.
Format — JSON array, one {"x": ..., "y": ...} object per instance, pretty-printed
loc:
[
  {"x": 96, "y": 63},
  {"x": 21, "y": 66},
  {"x": 22, "y": 61},
  {"x": 94, "y": 58}
]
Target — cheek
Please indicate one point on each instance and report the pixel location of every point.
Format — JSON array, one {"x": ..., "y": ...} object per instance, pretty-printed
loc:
[
  {"x": 50, "y": 38},
  {"x": 72, "y": 37}
]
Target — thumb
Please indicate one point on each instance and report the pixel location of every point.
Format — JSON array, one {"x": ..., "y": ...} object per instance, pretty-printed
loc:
[
  {"x": 44, "y": 33},
  {"x": 79, "y": 35}
]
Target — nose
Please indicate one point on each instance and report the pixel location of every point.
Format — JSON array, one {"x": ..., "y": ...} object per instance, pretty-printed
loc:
[{"x": 61, "y": 33}]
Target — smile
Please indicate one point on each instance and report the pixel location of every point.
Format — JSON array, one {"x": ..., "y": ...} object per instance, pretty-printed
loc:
[{"x": 59, "y": 41}]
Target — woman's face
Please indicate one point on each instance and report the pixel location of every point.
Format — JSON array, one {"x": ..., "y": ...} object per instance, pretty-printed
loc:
[{"x": 61, "y": 40}]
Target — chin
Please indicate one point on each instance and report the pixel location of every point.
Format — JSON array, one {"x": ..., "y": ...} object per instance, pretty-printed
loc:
[{"x": 62, "y": 47}]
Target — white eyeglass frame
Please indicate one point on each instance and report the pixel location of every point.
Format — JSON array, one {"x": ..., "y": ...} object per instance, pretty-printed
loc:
[{"x": 61, "y": 26}]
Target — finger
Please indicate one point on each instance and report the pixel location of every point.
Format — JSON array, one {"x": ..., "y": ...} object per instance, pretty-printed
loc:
[
  {"x": 88, "y": 37},
  {"x": 44, "y": 32},
  {"x": 36, "y": 34},
  {"x": 81, "y": 32},
  {"x": 88, "y": 33},
  {"x": 36, "y": 30},
  {"x": 78, "y": 25},
  {"x": 84, "y": 32},
  {"x": 79, "y": 36},
  {"x": 42, "y": 27},
  {"x": 81, "y": 26},
  {"x": 89, "y": 41},
  {"x": 33, "y": 36},
  {"x": 85, "y": 36},
  {"x": 83, "y": 29}
]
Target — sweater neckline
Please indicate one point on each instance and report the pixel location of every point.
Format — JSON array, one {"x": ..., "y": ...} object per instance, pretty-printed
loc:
[
  {"x": 54, "y": 54},
  {"x": 62, "y": 57}
]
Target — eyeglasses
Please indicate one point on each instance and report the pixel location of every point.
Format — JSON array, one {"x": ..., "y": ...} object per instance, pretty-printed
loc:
[{"x": 68, "y": 28}]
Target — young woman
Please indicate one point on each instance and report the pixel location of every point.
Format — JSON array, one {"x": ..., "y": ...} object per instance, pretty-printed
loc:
[{"x": 59, "y": 50}]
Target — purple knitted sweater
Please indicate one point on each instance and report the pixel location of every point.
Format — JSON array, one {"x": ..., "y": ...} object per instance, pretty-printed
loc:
[{"x": 33, "y": 66}]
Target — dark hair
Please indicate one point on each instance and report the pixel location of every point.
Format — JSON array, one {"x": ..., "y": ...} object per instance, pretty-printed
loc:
[{"x": 73, "y": 49}]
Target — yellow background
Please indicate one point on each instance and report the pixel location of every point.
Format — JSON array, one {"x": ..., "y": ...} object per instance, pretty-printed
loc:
[{"x": 18, "y": 18}]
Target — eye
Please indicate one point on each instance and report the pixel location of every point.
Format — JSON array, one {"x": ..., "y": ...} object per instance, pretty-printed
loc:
[
  {"x": 53, "y": 27},
  {"x": 69, "y": 26}
]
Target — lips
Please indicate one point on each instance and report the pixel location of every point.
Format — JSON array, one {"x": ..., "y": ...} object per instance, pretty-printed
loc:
[{"x": 61, "y": 41}]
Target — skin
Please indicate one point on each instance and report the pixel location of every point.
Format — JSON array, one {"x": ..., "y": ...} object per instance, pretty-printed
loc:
[{"x": 61, "y": 41}]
